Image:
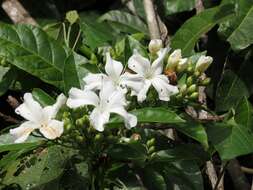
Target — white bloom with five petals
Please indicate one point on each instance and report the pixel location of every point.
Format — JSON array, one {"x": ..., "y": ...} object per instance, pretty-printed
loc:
[
  {"x": 38, "y": 118},
  {"x": 109, "y": 101},
  {"x": 151, "y": 74},
  {"x": 114, "y": 75}
]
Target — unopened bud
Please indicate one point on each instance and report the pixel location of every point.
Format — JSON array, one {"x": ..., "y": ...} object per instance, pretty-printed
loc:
[
  {"x": 194, "y": 96},
  {"x": 151, "y": 150},
  {"x": 98, "y": 137},
  {"x": 151, "y": 142},
  {"x": 182, "y": 65},
  {"x": 197, "y": 74},
  {"x": 190, "y": 69},
  {"x": 136, "y": 136},
  {"x": 183, "y": 89},
  {"x": 174, "y": 59},
  {"x": 205, "y": 82},
  {"x": 155, "y": 45},
  {"x": 192, "y": 89},
  {"x": 203, "y": 63},
  {"x": 189, "y": 81}
]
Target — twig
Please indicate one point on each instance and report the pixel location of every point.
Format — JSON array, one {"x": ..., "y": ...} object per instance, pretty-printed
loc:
[
  {"x": 17, "y": 13},
  {"x": 199, "y": 6},
  {"x": 151, "y": 19},
  {"x": 9, "y": 118},
  {"x": 211, "y": 173},
  {"x": 237, "y": 176},
  {"x": 220, "y": 182},
  {"x": 14, "y": 103},
  {"x": 247, "y": 170}
]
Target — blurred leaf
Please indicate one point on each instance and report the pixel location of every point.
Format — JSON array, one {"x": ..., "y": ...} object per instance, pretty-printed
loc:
[
  {"x": 32, "y": 50},
  {"x": 7, "y": 143},
  {"x": 7, "y": 76},
  {"x": 230, "y": 91},
  {"x": 153, "y": 179},
  {"x": 230, "y": 139},
  {"x": 187, "y": 36},
  {"x": 237, "y": 30},
  {"x": 42, "y": 97},
  {"x": 177, "y": 6},
  {"x": 124, "y": 18}
]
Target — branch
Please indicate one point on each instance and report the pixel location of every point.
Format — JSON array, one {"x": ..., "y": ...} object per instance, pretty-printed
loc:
[
  {"x": 17, "y": 13},
  {"x": 247, "y": 170},
  {"x": 211, "y": 173},
  {"x": 9, "y": 118},
  {"x": 13, "y": 102},
  {"x": 199, "y": 6},
  {"x": 152, "y": 22}
]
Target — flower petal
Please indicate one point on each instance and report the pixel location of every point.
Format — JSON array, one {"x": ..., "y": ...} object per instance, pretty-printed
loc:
[
  {"x": 53, "y": 130},
  {"x": 79, "y": 98},
  {"x": 112, "y": 67},
  {"x": 139, "y": 64},
  {"x": 22, "y": 132},
  {"x": 98, "y": 119},
  {"x": 163, "y": 88},
  {"x": 106, "y": 91},
  {"x": 157, "y": 65},
  {"x": 30, "y": 109},
  {"x": 142, "y": 95},
  {"x": 133, "y": 81},
  {"x": 94, "y": 81},
  {"x": 130, "y": 119},
  {"x": 50, "y": 112}
]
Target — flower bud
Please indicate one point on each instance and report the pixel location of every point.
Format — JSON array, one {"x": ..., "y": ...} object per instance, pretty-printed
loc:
[
  {"x": 192, "y": 89},
  {"x": 182, "y": 65},
  {"x": 183, "y": 89},
  {"x": 155, "y": 45},
  {"x": 205, "y": 82},
  {"x": 189, "y": 81},
  {"x": 98, "y": 137},
  {"x": 197, "y": 74},
  {"x": 174, "y": 59},
  {"x": 203, "y": 63},
  {"x": 151, "y": 142},
  {"x": 194, "y": 96},
  {"x": 151, "y": 150},
  {"x": 190, "y": 69}
]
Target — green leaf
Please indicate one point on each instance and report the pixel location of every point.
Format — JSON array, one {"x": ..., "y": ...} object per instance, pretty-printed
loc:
[
  {"x": 133, "y": 151},
  {"x": 36, "y": 170},
  {"x": 7, "y": 143},
  {"x": 183, "y": 175},
  {"x": 230, "y": 139},
  {"x": 32, "y": 50},
  {"x": 237, "y": 30},
  {"x": 195, "y": 131},
  {"x": 42, "y": 97},
  {"x": 187, "y": 36},
  {"x": 244, "y": 114},
  {"x": 230, "y": 91},
  {"x": 96, "y": 34},
  {"x": 7, "y": 76},
  {"x": 74, "y": 72},
  {"x": 153, "y": 115},
  {"x": 177, "y": 6},
  {"x": 125, "y": 19},
  {"x": 153, "y": 179}
]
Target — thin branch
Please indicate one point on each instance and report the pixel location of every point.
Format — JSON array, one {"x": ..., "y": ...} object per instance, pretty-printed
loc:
[
  {"x": 247, "y": 170},
  {"x": 17, "y": 13},
  {"x": 211, "y": 173},
  {"x": 9, "y": 118},
  {"x": 13, "y": 102},
  {"x": 199, "y": 6},
  {"x": 152, "y": 22}
]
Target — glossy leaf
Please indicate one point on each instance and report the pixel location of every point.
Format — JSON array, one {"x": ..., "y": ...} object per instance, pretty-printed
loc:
[
  {"x": 42, "y": 97},
  {"x": 230, "y": 91},
  {"x": 32, "y": 50},
  {"x": 237, "y": 30},
  {"x": 231, "y": 139},
  {"x": 153, "y": 179},
  {"x": 126, "y": 19},
  {"x": 187, "y": 36},
  {"x": 7, "y": 76}
]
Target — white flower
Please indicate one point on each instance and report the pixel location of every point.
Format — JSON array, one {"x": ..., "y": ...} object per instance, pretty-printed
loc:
[
  {"x": 182, "y": 65},
  {"x": 113, "y": 75},
  {"x": 155, "y": 45},
  {"x": 109, "y": 101},
  {"x": 38, "y": 118},
  {"x": 151, "y": 75},
  {"x": 203, "y": 63}
]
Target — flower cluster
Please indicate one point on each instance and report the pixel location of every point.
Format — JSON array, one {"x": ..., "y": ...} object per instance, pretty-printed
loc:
[{"x": 106, "y": 92}]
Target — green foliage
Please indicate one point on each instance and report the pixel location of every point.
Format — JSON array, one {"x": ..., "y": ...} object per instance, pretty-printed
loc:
[{"x": 176, "y": 6}]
